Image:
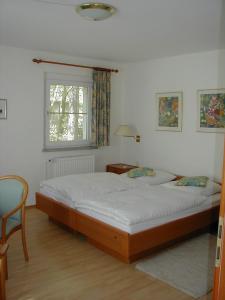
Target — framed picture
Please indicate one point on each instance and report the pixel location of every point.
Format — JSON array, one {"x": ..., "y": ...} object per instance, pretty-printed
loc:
[
  {"x": 211, "y": 110},
  {"x": 3, "y": 108},
  {"x": 169, "y": 111}
]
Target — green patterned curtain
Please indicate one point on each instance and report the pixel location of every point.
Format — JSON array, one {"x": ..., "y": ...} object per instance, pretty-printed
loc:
[{"x": 100, "y": 126}]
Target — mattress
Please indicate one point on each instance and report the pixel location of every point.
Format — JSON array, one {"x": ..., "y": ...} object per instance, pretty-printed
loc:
[{"x": 211, "y": 201}]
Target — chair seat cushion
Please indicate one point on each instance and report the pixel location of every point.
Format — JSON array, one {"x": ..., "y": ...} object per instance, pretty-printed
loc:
[{"x": 11, "y": 223}]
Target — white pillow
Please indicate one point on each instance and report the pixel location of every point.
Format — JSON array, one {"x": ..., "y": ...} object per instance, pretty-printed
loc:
[
  {"x": 210, "y": 189},
  {"x": 159, "y": 178}
]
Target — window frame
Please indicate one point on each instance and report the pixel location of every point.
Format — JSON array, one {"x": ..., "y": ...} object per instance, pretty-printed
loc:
[{"x": 84, "y": 81}]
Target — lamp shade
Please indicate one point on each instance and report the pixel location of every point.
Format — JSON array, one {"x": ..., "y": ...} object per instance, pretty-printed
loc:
[{"x": 125, "y": 130}]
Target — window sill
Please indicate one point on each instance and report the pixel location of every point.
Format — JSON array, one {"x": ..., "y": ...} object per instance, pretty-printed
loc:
[{"x": 69, "y": 148}]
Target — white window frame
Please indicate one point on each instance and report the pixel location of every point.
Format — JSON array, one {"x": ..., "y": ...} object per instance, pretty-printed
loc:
[{"x": 84, "y": 81}]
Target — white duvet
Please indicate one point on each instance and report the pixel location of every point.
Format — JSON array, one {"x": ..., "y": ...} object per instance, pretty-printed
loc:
[
  {"x": 140, "y": 204},
  {"x": 82, "y": 186}
]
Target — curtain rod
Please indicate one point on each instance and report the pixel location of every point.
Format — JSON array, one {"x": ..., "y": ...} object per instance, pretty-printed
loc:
[{"x": 39, "y": 61}]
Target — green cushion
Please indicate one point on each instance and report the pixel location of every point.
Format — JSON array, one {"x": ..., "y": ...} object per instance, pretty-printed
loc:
[
  {"x": 200, "y": 181},
  {"x": 138, "y": 172},
  {"x": 11, "y": 191},
  {"x": 11, "y": 223}
]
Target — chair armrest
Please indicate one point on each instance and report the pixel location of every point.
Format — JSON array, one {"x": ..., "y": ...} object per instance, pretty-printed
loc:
[
  {"x": 5, "y": 218},
  {"x": 12, "y": 212}
]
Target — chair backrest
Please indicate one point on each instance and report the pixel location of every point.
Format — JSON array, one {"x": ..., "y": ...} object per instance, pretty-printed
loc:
[{"x": 13, "y": 193}]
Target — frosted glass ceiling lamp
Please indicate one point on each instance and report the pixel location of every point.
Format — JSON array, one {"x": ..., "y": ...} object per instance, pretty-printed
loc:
[
  {"x": 95, "y": 11},
  {"x": 127, "y": 131}
]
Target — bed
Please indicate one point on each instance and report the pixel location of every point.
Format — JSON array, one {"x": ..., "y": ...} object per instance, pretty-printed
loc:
[{"x": 112, "y": 226}]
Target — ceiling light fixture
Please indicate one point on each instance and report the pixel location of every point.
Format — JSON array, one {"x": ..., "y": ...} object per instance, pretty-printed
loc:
[{"x": 95, "y": 11}]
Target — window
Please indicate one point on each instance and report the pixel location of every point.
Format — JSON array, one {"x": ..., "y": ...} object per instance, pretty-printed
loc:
[{"x": 67, "y": 112}]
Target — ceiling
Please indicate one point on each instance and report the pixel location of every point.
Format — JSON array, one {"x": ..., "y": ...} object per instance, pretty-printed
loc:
[{"x": 141, "y": 29}]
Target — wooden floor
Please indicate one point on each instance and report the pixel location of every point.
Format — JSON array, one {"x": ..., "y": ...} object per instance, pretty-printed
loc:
[{"x": 63, "y": 266}]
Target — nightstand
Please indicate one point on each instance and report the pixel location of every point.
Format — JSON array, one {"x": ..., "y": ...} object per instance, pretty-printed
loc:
[{"x": 119, "y": 168}]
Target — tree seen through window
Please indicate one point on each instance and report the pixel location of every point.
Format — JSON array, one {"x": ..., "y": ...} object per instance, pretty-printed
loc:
[{"x": 67, "y": 113}]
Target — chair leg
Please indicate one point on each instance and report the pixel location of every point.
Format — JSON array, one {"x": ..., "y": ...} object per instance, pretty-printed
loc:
[
  {"x": 2, "y": 280},
  {"x": 24, "y": 243},
  {"x": 5, "y": 266}
]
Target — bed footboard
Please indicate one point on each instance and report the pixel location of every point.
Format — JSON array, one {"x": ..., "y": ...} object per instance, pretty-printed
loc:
[
  {"x": 127, "y": 247},
  {"x": 109, "y": 239}
]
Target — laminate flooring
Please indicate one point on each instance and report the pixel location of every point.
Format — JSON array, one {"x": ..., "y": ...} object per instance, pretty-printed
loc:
[{"x": 64, "y": 266}]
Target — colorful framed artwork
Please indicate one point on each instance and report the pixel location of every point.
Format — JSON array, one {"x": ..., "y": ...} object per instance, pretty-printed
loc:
[
  {"x": 3, "y": 109},
  {"x": 169, "y": 111},
  {"x": 211, "y": 110}
]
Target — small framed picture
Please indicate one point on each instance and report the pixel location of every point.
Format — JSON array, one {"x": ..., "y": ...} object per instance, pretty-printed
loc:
[
  {"x": 211, "y": 110},
  {"x": 3, "y": 109},
  {"x": 169, "y": 111}
]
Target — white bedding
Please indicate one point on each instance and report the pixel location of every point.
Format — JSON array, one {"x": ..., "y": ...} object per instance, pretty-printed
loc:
[
  {"x": 71, "y": 188},
  {"x": 141, "y": 204},
  {"x": 127, "y": 204},
  {"x": 209, "y": 203}
]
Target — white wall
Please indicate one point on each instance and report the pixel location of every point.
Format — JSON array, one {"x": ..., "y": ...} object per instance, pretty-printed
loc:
[
  {"x": 188, "y": 152},
  {"x": 21, "y": 135},
  {"x": 133, "y": 89}
]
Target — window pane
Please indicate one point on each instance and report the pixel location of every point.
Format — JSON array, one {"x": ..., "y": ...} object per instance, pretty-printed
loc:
[
  {"x": 68, "y": 99},
  {"x": 67, "y": 127},
  {"x": 83, "y": 94},
  {"x": 67, "y": 117}
]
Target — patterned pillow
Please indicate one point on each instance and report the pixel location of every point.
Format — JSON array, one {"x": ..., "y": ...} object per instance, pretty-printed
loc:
[
  {"x": 193, "y": 181},
  {"x": 138, "y": 172}
]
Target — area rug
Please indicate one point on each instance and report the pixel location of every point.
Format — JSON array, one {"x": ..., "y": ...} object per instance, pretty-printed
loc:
[{"x": 187, "y": 266}]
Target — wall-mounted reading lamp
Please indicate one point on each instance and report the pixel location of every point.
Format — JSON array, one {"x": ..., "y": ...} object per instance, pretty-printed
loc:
[{"x": 127, "y": 131}]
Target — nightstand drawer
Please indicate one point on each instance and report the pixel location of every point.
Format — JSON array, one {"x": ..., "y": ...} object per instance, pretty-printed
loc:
[{"x": 119, "y": 168}]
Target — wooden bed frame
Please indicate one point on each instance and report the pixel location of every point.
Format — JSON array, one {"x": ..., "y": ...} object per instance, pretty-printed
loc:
[{"x": 127, "y": 247}]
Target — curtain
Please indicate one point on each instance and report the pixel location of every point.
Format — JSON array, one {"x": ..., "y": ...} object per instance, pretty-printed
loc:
[{"x": 100, "y": 126}]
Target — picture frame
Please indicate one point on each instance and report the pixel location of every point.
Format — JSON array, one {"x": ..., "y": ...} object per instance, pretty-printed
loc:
[
  {"x": 211, "y": 110},
  {"x": 169, "y": 106},
  {"x": 3, "y": 109}
]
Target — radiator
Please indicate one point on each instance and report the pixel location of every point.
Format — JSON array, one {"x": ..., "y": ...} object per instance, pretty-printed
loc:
[{"x": 61, "y": 166}]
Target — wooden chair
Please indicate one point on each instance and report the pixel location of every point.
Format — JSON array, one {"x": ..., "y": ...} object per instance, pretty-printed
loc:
[
  {"x": 13, "y": 196},
  {"x": 3, "y": 270}
]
